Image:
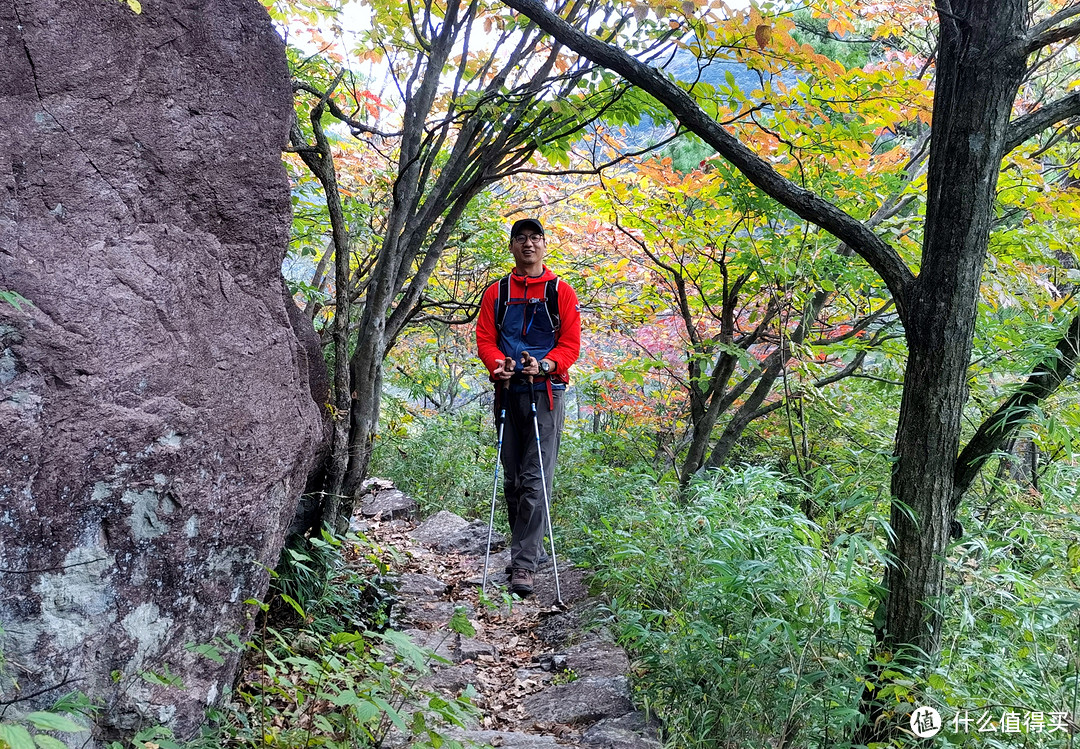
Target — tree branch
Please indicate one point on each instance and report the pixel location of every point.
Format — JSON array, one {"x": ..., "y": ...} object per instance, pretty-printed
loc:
[
  {"x": 607, "y": 165},
  {"x": 354, "y": 124},
  {"x": 858, "y": 327},
  {"x": 1001, "y": 425},
  {"x": 1030, "y": 125},
  {"x": 1064, "y": 14},
  {"x": 883, "y": 258},
  {"x": 845, "y": 372},
  {"x": 1044, "y": 33}
]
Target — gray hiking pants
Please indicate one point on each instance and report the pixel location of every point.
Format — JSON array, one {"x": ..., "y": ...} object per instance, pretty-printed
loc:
[{"x": 521, "y": 470}]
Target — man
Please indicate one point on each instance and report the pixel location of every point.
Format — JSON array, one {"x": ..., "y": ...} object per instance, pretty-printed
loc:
[{"x": 528, "y": 335}]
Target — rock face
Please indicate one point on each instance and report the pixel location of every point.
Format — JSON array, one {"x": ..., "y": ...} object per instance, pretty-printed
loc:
[{"x": 156, "y": 422}]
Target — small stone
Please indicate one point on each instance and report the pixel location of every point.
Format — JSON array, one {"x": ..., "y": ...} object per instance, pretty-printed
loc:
[
  {"x": 449, "y": 678},
  {"x": 432, "y": 614},
  {"x": 374, "y": 485},
  {"x": 469, "y": 649},
  {"x": 530, "y": 674},
  {"x": 631, "y": 731},
  {"x": 439, "y": 643},
  {"x": 447, "y": 532},
  {"x": 595, "y": 657},
  {"x": 437, "y": 528},
  {"x": 506, "y": 739}
]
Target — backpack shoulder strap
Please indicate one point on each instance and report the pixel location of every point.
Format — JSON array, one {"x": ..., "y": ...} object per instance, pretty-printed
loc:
[
  {"x": 500, "y": 302},
  {"x": 552, "y": 294}
]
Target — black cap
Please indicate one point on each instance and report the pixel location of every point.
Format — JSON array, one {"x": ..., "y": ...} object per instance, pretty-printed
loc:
[{"x": 525, "y": 223}]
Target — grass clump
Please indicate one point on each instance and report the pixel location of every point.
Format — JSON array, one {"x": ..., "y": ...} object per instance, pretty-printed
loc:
[{"x": 741, "y": 634}]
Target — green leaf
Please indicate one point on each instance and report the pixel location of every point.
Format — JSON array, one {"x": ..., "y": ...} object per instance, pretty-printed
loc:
[
  {"x": 135, "y": 6},
  {"x": 364, "y": 711},
  {"x": 53, "y": 722},
  {"x": 347, "y": 697},
  {"x": 16, "y": 737},
  {"x": 13, "y": 298},
  {"x": 48, "y": 742},
  {"x": 460, "y": 623},
  {"x": 296, "y": 606},
  {"x": 207, "y": 651},
  {"x": 391, "y": 713},
  {"x": 164, "y": 678}
]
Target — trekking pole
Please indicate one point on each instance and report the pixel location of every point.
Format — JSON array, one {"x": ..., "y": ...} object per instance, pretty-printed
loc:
[
  {"x": 547, "y": 504},
  {"x": 495, "y": 485}
]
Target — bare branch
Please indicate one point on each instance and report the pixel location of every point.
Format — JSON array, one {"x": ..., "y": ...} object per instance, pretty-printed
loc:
[
  {"x": 354, "y": 124},
  {"x": 896, "y": 383},
  {"x": 858, "y": 327},
  {"x": 847, "y": 371},
  {"x": 766, "y": 410}
]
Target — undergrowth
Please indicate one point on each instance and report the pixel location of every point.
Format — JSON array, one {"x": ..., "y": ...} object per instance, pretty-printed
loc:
[
  {"x": 443, "y": 461},
  {"x": 746, "y": 603},
  {"x": 321, "y": 669},
  {"x": 750, "y": 624},
  {"x": 326, "y": 672}
]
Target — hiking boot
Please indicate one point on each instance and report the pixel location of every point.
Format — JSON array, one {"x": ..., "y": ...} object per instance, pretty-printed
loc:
[
  {"x": 543, "y": 559},
  {"x": 521, "y": 582}
]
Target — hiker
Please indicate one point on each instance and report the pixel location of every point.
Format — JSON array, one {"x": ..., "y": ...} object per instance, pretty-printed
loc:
[{"x": 529, "y": 328}]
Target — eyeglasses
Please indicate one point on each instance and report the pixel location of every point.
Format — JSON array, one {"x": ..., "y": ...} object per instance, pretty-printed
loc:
[{"x": 523, "y": 238}]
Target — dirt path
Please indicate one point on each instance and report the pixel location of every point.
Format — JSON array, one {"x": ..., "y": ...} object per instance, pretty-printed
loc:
[{"x": 542, "y": 678}]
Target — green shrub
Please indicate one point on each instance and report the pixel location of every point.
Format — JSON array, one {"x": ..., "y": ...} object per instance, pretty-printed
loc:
[
  {"x": 746, "y": 623},
  {"x": 326, "y": 677},
  {"x": 444, "y": 462},
  {"x": 315, "y": 578}
]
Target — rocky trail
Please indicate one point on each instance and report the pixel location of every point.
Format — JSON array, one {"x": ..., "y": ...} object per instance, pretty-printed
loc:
[{"x": 543, "y": 676}]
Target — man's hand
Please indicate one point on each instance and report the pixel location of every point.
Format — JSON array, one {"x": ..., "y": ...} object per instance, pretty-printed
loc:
[
  {"x": 504, "y": 370},
  {"x": 530, "y": 365}
]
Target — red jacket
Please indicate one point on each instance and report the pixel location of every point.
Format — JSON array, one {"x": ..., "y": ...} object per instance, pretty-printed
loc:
[{"x": 568, "y": 346}]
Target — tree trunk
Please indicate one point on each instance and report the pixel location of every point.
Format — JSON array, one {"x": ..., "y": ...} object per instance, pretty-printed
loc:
[
  {"x": 705, "y": 409},
  {"x": 321, "y": 163},
  {"x": 742, "y": 417},
  {"x": 979, "y": 67},
  {"x": 366, "y": 375}
]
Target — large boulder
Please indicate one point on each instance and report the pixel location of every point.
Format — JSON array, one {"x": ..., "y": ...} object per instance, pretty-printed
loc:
[{"x": 156, "y": 422}]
